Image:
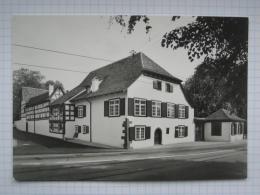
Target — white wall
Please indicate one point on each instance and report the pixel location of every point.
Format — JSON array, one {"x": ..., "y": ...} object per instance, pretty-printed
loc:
[
  {"x": 21, "y": 124},
  {"x": 226, "y": 132},
  {"x": 143, "y": 88},
  {"x": 106, "y": 130},
  {"x": 69, "y": 129},
  {"x": 42, "y": 128}
]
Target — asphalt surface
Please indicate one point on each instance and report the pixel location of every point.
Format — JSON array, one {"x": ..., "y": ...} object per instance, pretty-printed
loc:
[{"x": 191, "y": 161}]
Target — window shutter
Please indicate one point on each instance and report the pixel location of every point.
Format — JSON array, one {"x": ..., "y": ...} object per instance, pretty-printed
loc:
[
  {"x": 122, "y": 106},
  {"x": 171, "y": 88},
  {"x": 147, "y": 132},
  {"x": 130, "y": 106},
  {"x": 106, "y": 108},
  {"x": 149, "y": 108},
  {"x": 186, "y": 131},
  {"x": 186, "y": 111},
  {"x": 79, "y": 129},
  {"x": 164, "y": 109},
  {"x": 176, "y": 131},
  {"x": 84, "y": 111},
  {"x": 159, "y": 85},
  {"x": 176, "y": 111},
  {"x": 87, "y": 129},
  {"x": 76, "y": 111},
  {"x": 131, "y": 133}
]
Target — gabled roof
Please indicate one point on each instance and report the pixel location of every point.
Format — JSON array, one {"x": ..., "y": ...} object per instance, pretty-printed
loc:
[
  {"x": 223, "y": 115},
  {"x": 68, "y": 95},
  {"x": 38, "y": 99},
  {"x": 118, "y": 76},
  {"x": 29, "y": 92}
]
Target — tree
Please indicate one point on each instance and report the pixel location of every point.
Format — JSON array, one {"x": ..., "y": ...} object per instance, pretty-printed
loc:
[
  {"x": 27, "y": 78},
  {"x": 223, "y": 44}
]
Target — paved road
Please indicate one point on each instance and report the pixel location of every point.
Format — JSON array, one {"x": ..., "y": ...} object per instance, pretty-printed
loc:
[{"x": 197, "y": 161}]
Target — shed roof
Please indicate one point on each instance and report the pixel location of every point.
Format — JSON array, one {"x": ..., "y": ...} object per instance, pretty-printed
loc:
[{"x": 223, "y": 115}]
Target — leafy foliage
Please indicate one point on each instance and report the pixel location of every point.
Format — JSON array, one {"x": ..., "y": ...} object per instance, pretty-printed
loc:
[
  {"x": 221, "y": 80},
  {"x": 27, "y": 78}
]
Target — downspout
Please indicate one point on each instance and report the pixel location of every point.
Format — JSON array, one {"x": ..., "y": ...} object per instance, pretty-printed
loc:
[{"x": 90, "y": 121}]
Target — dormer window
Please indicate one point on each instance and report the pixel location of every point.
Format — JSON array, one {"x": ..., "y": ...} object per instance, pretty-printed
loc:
[
  {"x": 157, "y": 85},
  {"x": 95, "y": 84}
]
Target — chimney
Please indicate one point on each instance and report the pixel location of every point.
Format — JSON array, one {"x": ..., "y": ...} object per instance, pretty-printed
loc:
[{"x": 51, "y": 88}]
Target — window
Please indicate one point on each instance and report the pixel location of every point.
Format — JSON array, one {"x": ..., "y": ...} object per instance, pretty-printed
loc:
[
  {"x": 156, "y": 109},
  {"x": 139, "y": 132},
  {"x": 167, "y": 130},
  {"x": 56, "y": 127},
  {"x": 170, "y": 110},
  {"x": 181, "y": 113},
  {"x": 181, "y": 131},
  {"x": 140, "y": 107},
  {"x": 77, "y": 129},
  {"x": 80, "y": 111},
  {"x": 114, "y": 107},
  {"x": 157, "y": 85},
  {"x": 85, "y": 129},
  {"x": 169, "y": 87},
  {"x": 69, "y": 112},
  {"x": 216, "y": 129}
]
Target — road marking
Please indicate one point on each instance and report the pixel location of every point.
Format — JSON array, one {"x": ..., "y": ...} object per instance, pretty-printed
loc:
[{"x": 119, "y": 160}]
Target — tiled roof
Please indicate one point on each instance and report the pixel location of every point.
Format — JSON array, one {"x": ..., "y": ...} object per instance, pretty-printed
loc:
[
  {"x": 38, "y": 99},
  {"x": 223, "y": 115},
  {"x": 29, "y": 92},
  {"x": 118, "y": 76}
]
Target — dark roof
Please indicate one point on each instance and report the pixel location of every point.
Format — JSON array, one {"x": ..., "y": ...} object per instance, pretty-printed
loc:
[
  {"x": 38, "y": 99},
  {"x": 223, "y": 115},
  {"x": 68, "y": 95},
  {"x": 118, "y": 76},
  {"x": 29, "y": 92}
]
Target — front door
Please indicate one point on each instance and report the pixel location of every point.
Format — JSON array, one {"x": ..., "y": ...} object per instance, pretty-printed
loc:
[
  {"x": 26, "y": 127},
  {"x": 158, "y": 137}
]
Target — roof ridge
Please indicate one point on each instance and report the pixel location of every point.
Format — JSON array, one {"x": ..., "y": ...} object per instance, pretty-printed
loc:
[{"x": 35, "y": 88}]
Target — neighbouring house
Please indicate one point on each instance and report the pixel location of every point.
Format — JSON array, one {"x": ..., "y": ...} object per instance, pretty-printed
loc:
[
  {"x": 220, "y": 126},
  {"x": 135, "y": 89},
  {"x": 35, "y": 109}
]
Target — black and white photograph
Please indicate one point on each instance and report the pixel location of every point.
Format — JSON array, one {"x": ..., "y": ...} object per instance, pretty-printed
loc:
[{"x": 129, "y": 98}]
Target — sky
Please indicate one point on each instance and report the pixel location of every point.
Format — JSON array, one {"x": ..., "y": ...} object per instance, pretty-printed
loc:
[{"x": 96, "y": 37}]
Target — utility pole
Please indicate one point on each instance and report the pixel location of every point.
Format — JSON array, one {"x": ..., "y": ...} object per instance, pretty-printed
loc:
[{"x": 125, "y": 131}]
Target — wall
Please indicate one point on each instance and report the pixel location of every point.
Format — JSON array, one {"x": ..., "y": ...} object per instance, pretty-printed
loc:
[
  {"x": 21, "y": 124},
  {"x": 106, "y": 130},
  {"x": 143, "y": 88},
  {"x": 42, "y": 128},
  {"x": 237, "y": 137},
  {"x": 226, "y": 131},
  {"x": 69, "y": 129}
]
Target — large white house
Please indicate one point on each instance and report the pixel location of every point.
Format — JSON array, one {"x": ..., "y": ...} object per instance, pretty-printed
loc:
[{"x": 134, "y": 89}]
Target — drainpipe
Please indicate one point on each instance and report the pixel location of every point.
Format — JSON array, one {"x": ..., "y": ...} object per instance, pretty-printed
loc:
[{"x": 90, "y": 121}]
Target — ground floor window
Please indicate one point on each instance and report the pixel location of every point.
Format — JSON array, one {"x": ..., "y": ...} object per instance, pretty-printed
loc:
[
  {"x": 181, "y": 131},
  {"x": 57, "y": 127},
  {"x": 216, "y": 129},
  {"x": 85, "y": 129},
  {"x": 139, "y": 132},
  {"x": 236, "y": 129}
]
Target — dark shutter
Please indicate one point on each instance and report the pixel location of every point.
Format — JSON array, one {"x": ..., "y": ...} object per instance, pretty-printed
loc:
[
  {"x": 149, "y": 108},
  {"x": 176, "y": 111},
  {"x": 76, "y": 111},
  {"x": 131, "y": 106},
  {"x": 164, "y": 109},
  {"x": 79, "y": 129},
  {"x": 186, "y": 111},
  {"x": 186, "y": 131},
  {"x": 171, "y": 88},
  {"x": 122, "y": 106},
  {"x": 232, "y": 128},
  {"x": 131, "y": 133},
  {"x": 106, "y": 108},
  {"x": 155, "y": 84},
  {"x": 147, "y": 132},
  {"x": 176, "y": 131},
  {"x": 84, "y": 111},
  {"x": 159, "y": 84}
]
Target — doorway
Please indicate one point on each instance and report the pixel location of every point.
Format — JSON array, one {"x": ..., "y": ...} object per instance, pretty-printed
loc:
[
  {"x": 157, "y": 137},
  {"x": 26, "y": 128}
]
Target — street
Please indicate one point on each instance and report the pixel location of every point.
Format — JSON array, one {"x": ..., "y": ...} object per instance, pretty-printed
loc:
[{"x": 190, "y": 161}]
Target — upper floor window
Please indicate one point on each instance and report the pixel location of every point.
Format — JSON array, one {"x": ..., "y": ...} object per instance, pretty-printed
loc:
[
  {"x": 181, "y": 113},
  {"x": 157, "y": 85},
  {"x": 169, "y": 87},
  {"x": 139, "y": 132},
  {"x": 69, "y": 112},
  {"x": 80, "y": 111},
  {"x": 156, "y": 109},
  {"x": 170, "y": 110},
  {"x": 139, "y": 107},
  {"x": 114, "y": 107}
]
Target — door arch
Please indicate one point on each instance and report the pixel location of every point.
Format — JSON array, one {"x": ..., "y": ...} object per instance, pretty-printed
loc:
[{"x": 158, "y": 137}]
